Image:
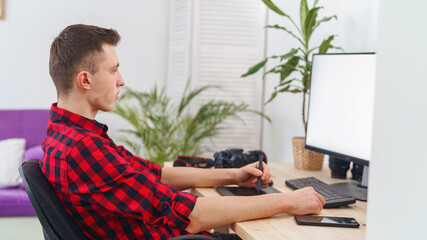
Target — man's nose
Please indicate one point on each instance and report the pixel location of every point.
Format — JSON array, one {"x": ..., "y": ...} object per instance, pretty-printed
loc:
[{"x": 120, "y": 81}]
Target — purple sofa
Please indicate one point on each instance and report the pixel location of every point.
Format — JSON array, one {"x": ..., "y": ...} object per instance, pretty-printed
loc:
[{"x": 31, "y": 125}]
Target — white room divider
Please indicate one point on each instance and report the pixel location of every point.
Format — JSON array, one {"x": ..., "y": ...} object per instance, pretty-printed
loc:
[{"x": 214, "y": 42}]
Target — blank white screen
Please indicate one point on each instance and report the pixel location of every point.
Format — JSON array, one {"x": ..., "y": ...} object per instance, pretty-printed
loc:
[{"x": 341, "y": 105}]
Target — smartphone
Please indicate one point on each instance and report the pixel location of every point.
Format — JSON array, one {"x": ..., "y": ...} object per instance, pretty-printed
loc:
[{"x": 326, "y": 221}]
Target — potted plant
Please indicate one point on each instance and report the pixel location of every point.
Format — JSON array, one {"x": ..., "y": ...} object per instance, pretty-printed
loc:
[
  {"x": 294, "y": 69},
  {"x": 161, "y": 130}
]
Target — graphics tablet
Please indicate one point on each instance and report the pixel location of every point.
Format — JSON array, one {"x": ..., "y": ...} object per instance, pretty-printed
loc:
[{"x": 241, "y": 191}]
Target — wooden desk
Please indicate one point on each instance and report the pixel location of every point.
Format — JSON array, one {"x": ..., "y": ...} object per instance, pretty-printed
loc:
[{"x": 283, "y": 226}]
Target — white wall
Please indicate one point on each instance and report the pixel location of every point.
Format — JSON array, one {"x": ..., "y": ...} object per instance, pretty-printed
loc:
[
  {"x": 29, "y": 28},
  {"x": 397, "y": 206},
  {"x": 356, "y": 30}
]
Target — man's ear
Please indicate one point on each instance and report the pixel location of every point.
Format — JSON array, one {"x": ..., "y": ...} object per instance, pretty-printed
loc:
[{"x": 83, "y": 80}]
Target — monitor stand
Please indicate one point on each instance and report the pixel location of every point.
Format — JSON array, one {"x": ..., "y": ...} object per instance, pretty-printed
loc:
[{"x": 359, "y": 190}]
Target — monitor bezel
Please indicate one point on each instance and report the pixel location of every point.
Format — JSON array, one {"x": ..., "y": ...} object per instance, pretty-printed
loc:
[{"x": 356, "y": 160}]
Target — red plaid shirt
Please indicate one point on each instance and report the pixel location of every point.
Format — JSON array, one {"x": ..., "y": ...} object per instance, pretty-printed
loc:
[{"x": 110, "y": 193}]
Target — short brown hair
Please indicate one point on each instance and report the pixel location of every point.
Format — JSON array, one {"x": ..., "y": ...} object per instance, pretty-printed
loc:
[{"x": 77, "y": 47}]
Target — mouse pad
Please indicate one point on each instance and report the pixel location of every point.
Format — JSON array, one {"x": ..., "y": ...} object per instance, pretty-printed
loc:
[{"x": 241, "y": 191}]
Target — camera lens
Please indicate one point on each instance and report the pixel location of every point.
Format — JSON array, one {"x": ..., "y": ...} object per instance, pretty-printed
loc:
[{"x": 338, "y": 167}]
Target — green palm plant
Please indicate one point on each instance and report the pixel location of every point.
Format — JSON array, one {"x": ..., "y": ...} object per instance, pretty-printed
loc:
[
  {"x": 297, "y": 59},
  {"x": 161, "y": 130}
]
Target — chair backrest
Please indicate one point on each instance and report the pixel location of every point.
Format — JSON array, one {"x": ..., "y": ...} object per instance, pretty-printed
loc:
[{"x": 56, "y": 222}]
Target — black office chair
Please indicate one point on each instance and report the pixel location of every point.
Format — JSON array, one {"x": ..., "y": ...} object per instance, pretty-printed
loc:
[{"x": 56, "y": 222}]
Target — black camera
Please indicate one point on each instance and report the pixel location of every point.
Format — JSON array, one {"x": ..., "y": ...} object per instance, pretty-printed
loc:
[
  {"x": 236, "y": 158},
  {"x": 338, "y": 167},
  {"x": 357, "y": 172}
]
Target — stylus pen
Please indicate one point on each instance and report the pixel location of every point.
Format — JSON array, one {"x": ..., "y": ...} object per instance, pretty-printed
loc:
[{"x": 258, "y": 185}]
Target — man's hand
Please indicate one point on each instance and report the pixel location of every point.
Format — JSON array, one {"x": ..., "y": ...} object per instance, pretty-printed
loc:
[
  {"x": 247, "y": 176},
  {"x": 304, "y": 201}
]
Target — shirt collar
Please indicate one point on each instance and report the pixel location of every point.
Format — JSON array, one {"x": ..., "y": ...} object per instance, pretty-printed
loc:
[{"x": 63, "y": 116}]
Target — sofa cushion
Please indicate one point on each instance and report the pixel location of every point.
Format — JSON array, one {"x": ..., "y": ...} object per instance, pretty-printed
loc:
[
  {"x": 33, "y": 152},
  {"x": 15, "y": 202},
  {"x": 11, "y": 156}
]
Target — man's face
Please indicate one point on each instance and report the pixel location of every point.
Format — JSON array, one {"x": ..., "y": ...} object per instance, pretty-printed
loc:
[{"x": 106, "y": 81}]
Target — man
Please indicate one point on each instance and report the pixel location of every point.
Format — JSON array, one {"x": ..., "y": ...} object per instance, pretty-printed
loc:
[{"x": 109, "y": 192}]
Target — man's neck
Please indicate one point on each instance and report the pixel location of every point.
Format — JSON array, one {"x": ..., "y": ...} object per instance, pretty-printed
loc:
[{"x": 78, "y": 106}]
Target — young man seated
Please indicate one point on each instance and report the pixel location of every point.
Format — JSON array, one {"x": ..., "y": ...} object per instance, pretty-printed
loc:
[{"x": 109, "y": 192}]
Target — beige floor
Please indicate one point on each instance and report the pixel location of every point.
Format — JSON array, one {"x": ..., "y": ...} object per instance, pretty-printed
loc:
[{"x": 20, "y": 228}]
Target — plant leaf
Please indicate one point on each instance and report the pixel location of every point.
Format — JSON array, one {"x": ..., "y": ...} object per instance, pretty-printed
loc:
[
  {"x": 326, "y": 44},
  {"x": 338, "y": 48},
  {"x": 281, "y": 84},
  {"x": 289, "y": 67},
  {"x": 260, "y": 114},
  {"x": 315, "y": 3},
  {"x": 283, "y": 89},
  {"x": 325, "y": 19},
  {"x": 185, "y": 100},
  {"x": 286, "y": 30},
  {"x": 273, "y": 7},
  {"x": 295, "y": 90},
  {"x": 275, "y": 69},
  {"x": 310, "y": 22},
  {"x": 255, "y": 68},
  {"x": 273, "y": 95},
  {"x": 303, "y": 13},
  {"x": 289, "y": 54}
]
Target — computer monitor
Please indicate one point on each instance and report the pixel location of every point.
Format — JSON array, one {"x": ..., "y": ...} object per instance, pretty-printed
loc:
[{"x": 340, "y": 111}]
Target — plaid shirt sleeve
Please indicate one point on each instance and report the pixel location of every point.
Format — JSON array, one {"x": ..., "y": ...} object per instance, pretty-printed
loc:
[
  {"x": 140, "y": 163},
  {"x": 101, "y": 175}
]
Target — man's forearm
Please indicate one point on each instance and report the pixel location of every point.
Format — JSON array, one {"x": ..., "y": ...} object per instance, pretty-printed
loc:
[
  {"x": 186, "y": 177},
  {"x": 213, "y": 212}
]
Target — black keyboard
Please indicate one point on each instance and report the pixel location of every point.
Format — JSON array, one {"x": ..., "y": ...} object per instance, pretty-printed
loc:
[{"x": 333, "y": 196}]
